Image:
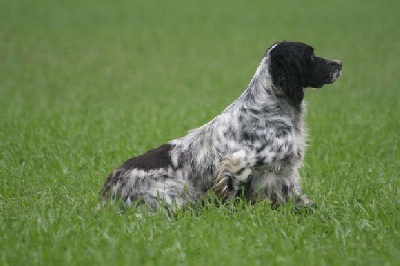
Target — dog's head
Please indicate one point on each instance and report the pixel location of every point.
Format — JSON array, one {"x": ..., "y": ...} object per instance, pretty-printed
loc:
[{"x": 293, "y": 66}]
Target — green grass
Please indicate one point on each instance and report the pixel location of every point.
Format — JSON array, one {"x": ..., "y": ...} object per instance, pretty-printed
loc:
[{"x": 85, "y": 85}]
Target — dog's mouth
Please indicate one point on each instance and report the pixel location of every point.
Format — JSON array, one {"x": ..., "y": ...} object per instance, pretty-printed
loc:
[{"x": 333, "y": 76}]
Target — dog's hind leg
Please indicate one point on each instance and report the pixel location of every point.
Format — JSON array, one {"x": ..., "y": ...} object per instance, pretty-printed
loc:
[{"x": 233, "y": 171}]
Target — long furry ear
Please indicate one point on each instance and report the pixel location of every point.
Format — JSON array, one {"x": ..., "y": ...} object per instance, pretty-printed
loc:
[{"x": 286, "y": 74}]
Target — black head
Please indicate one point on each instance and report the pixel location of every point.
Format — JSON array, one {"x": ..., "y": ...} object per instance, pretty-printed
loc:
[{"x": 293, "y": 67}]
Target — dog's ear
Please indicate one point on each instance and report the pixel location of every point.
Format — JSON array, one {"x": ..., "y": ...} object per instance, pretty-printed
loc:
[{"x": 286, "y": 74}]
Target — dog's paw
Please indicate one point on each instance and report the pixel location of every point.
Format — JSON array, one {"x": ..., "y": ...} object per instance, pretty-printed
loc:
[
  {"x": 304, "y": 204},
  {"x": 304, "y": 201}
]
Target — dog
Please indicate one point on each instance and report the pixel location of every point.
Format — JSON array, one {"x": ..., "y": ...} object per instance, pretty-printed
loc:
[{"x": 253, "y": 149}]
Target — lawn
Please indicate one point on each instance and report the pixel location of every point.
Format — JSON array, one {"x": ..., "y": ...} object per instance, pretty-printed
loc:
[{"x": 85, "y": 85}]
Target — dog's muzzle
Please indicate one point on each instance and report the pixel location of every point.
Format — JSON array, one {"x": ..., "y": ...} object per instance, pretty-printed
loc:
[{"x": 336, "y": 70}]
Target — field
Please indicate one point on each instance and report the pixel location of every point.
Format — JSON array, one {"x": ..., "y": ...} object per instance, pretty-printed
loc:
[{"x": 85, "y": 85}]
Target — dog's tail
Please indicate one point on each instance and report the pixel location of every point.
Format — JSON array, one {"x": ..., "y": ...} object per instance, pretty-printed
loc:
[{"x": 110, "y": 188}]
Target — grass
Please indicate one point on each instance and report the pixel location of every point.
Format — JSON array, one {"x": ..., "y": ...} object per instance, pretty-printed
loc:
[{"x": 85, "y": 85}]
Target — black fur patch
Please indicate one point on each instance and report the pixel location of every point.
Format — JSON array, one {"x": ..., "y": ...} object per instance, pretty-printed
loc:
[
  {"x": 153, "y": 159},
  {"x": 286, "y": 69}
]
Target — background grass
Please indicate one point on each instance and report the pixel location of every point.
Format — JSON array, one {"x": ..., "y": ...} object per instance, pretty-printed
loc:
[{"x": 85, "y": 85}]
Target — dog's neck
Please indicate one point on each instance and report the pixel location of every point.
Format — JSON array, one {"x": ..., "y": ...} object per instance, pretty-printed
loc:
[
  {"x": 261, "y": 93},
  {"x": 257, "y": 90}
]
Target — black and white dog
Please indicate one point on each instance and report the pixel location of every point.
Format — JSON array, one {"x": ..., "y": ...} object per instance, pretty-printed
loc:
[{"x": 252, "y": 149}]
